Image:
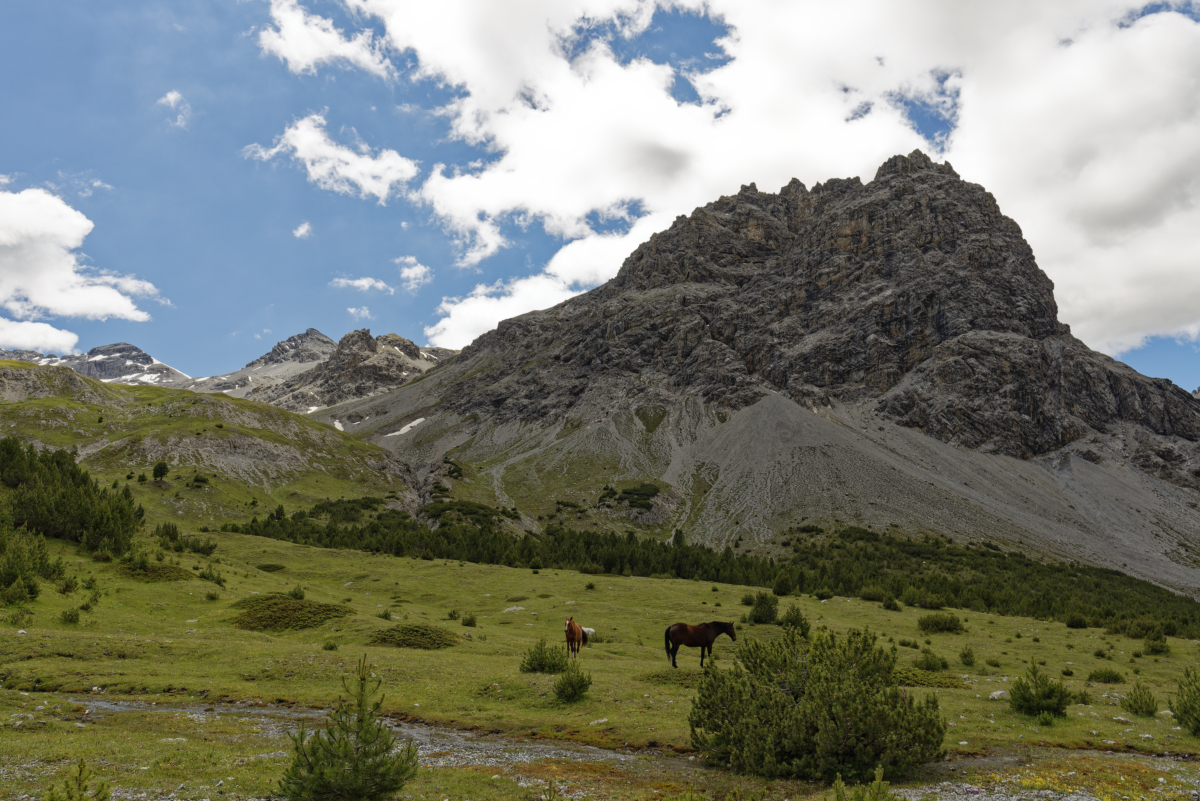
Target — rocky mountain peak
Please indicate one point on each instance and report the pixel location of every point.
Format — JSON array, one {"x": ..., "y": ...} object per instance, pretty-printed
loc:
[{"x": 311, "y": 346}]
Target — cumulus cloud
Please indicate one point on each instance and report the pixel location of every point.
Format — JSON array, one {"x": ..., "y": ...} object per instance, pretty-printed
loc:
[
  {"x": 414, "y": 274},
  {"x": 304, "y": 42},
  {"x": 178, "y": 104},
  {"x": 336, "y": 167},
  {"x": 361, "y": 313},
  {"x": 362, "y": 284},
  {"x": 41, "y": 274},
  {"x": 303, "y": 230},
  {"x": 1080, "y": 116},
  {"x": 5, "y": 180}
]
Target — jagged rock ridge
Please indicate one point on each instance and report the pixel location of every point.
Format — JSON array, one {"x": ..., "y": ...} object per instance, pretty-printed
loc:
[
  {"x": 120, "y": 362},
  {"x": 359, "y": 366}
]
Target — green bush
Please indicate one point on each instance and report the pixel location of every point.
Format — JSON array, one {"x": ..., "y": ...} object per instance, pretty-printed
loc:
[
  {"x": 748, "y": 599},
  {"x": 891, "y": 604},
  {"x": 930, "y": 661},
  {"x": 993, "y": 662},
  {"x": 1039, "y": 694},
  {"x": 296, "y": 592},
  {"x": 967, "y": 656},
  {"x": 783, "y": 584},
  {"x": 815, "y": 709},
  {"x": 940, "y": 622},
  {"x": 873, "y": 592},
  {"x": 543, "y": 658},
  {"x": 23, "y": 560},
  {"x": 765, "y": 608},
  {"x": 69, "y": 616},
  {"x": 1185, "y": 706},
  {"x": 1067, "y": 672},
  {"x": 823, "y": 594},
  {"x": 209, "y": 573},
  {"x": 1077, "y": 621},
  {"x": 212, "y": 595},
  {"x": 355, "y": 756},
  {"x": 279, "y": 612},
  {"x": 160, "y": 471},
  {"x": 919, "y": 596},
  {"x": 329, "y": 645},
  {"x": 1140, "y": 701},
  {"x": 1157, "y": 646},
  {"x": 1105, "y": 676},
  {"x": 795, "y": 618},
  {"x": 572, "y": 684},
  {"x": 414, "y": 635},
  {"x": 78, "y": 787},
  {"x": 469, "y": 619}
]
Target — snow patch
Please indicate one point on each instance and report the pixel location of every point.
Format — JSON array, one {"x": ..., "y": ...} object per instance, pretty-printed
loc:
[
  {"x": 411, "y": 425},
  {"x": 312, "y": 409},
  {"x": 338, "y": 425}
]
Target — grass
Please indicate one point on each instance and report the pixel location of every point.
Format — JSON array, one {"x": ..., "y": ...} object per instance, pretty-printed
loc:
[
  {"x": 166, "y": 643},
  {"x": 280, "y": 612}
]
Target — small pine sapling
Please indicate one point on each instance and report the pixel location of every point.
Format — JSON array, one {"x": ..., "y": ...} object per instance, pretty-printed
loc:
[
  {"x": 353, "y": 756},
  {"x": 78, "y": 787}
]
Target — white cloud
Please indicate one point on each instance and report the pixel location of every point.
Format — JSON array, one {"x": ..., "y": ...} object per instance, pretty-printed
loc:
[
  {"x": 335, "y": 167},
  {"x": 177, "y": 103},
  {"x": 414, "y": 274},
  {"x": 361, "y": 313},
  {"x": 303, "y": 230},
  {"x": 44, "y": 338},
  {"x": 5, "y": 180},
  {"x": 304, "y": 42},
  {"x": 362, "y": 284},
  {"x": 41, "y": 276},
  {"x": 1083, "y": 121}
]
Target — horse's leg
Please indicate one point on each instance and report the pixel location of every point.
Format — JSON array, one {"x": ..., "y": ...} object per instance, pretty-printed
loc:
[{"x": 674, "y": 651}]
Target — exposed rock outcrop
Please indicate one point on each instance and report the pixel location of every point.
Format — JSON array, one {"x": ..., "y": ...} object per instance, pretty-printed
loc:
[
  {"x": 360, "y": 365},
  {"x": 120, "y": 362}
]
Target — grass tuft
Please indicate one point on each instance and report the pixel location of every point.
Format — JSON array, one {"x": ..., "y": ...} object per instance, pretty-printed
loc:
[
  {"x": 279, "y": 612},
  {"x": 414, "y": 635}
]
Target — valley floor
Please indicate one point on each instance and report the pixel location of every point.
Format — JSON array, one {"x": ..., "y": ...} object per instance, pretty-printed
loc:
[{"x": 166, "y": 698}]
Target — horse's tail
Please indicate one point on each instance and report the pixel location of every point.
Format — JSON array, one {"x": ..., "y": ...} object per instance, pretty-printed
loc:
[
  {"x": 583, "y": 634},
  {"x": 667, "y": 641}
]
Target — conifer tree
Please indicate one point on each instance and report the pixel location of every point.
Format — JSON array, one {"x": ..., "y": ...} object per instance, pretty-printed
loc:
[{"x": 352, "y": 758}]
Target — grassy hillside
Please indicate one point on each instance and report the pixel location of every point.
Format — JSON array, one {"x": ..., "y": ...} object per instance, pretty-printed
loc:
[
  {"x": 247, "y": 454},
  {"x": 177, "y": 643}
]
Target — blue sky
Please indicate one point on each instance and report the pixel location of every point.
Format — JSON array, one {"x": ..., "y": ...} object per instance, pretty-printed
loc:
[{"x": 566, "y": 134}]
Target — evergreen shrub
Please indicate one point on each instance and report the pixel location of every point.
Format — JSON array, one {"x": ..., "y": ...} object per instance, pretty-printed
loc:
[
  {"x": 783, "y": 583},
  {"x": 543, "y": 658},
  {"x": 765, "y": 608},
  {"x": 414, "y": 635},
  {"x": 355, "y": 756},
  {"x": 940, "y": 622},
  {"x": 78, "y": 787},
  {"x": 930, "y": 661},
  {"x": 967, "y": 656},
  {"x": 795, "y": 708},
  {"x": 1039, "y": 694},
  {"x": 795, "y": 618},
  {"x": 1140, "y": 701},
  {"x": 891, "y": 604},
  {"x": 1105, "y": 676},
  {"x": 572, "y": 683},
  {"x": 1185, "y": 706},
  {"x": 1077, "y": 621}
]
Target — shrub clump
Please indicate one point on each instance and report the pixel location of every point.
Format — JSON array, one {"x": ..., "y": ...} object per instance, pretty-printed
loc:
[
  {"x": 136, "y": 564},
  {"x": 794, "y": 618},
  {"x": 414, "y": 635},
  {"x": 930, "y": 661},
  {"x": 270, "y": 567},
  {"x": 469, "y": 620},
  {"x": 814, "y": 709},
  {"x": 1140, "y": 701},
  {"x": 1105, "y": 676},
  {"x": 1185, "y": 706},
  {"x": 940, "y": 622},
  {"x": 967, "y": 656},
  {"x": 1039, "y": 695},
  {"x": 1077, "y": 621},
  {"x": 765, "y": 608},
  {"x": 572, "y": 684},
  {"x": 355, "y": 756},
  {"x": 543, "y": 658},
  {"x": 279, "y": 612}
]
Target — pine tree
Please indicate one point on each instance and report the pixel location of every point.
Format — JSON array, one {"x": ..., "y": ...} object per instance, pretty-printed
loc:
[
  {"x": 78, "y": 787},
  {"x": 352, "y": 757}
]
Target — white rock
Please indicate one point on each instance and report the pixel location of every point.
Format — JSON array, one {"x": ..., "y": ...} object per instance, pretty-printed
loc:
[{"x": 999, "y": 695}]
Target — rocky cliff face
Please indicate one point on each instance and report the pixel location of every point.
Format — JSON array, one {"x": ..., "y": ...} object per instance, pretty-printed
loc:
[
  {"x": 360, "y": 365},
  {"x": 882, "y": 353},
  {"x": 286, "y": 360}
]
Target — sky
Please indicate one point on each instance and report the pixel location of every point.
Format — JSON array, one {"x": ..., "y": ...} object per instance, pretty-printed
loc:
[{"x": 203, "y": 178}]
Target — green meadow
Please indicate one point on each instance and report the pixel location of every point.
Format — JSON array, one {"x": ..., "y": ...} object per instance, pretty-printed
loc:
[{"x": 199, "y": 687}]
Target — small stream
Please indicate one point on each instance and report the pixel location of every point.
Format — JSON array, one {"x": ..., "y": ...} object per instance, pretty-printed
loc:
[{"x": 437, "y": 747}]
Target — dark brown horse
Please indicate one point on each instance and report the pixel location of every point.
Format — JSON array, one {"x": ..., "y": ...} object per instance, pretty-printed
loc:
[
  {"x": 576, "y": 636},
  {"x": 701, "y": 636}
]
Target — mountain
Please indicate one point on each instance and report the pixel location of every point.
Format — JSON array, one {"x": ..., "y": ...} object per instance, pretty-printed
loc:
[
  {"x": 886, "y": 354},
  {"x": 121, "y": 363},
  {"x": 359, "y": 366},
  {"x": 286, "y": 360}
]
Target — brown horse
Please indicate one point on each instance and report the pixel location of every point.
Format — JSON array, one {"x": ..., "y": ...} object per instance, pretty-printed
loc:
[
  {"x": 701, "y": 636},
  {"x": 576, "y": 636}
]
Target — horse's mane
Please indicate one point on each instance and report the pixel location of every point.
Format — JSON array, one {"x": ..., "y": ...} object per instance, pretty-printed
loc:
[{"x": 717, "y": 624}]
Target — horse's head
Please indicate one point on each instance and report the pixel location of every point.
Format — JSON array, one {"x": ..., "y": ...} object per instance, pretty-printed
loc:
[
  {"x": 568, "y": 623},
  {"x": 729, "y": 630}
]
